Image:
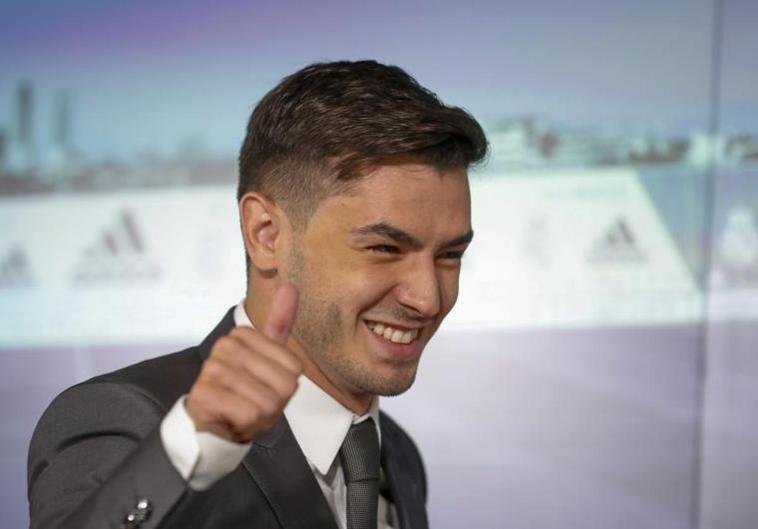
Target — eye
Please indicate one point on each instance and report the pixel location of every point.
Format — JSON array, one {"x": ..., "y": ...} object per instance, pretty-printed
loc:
[
  {"x": 454, "y": 255},
  {"x": 384, "y": 248}
]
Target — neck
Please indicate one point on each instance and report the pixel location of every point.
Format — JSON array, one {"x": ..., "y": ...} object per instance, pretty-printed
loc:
[{"x": 357, "y": 402}]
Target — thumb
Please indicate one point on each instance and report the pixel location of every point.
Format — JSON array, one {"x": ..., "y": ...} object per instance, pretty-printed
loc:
[{"x": 281, "y": 318}]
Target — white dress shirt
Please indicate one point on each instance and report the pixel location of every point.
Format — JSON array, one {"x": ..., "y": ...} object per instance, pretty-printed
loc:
[{"x": 318, "y": 422}]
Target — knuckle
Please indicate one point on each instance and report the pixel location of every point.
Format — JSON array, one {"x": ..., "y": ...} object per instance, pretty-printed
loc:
[
  {"x": 196, "y": 392},
  {"x": 194, "y": 399},
  {"x": 198, "y": 409},
  {"x": 243, "y": 334},
  {"x": 238, "y": 332},
  {"x": 213, "y": 368},
  {"x": 200, "y": 398},
  {"x": 222, "y": 344},
  {"x": 224, "y": 341}
]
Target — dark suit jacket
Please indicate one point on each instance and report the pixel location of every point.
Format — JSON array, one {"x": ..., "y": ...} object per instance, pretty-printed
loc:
[{"x": 97, "y": 451}]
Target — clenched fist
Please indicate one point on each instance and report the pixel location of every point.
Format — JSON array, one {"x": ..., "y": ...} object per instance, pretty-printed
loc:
[{"x": 249, "y": 376}]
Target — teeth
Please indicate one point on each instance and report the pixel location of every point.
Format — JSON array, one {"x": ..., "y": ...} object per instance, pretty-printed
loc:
[{"x": 392, "y": 334}]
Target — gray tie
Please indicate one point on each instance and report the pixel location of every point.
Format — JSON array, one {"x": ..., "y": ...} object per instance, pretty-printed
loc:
[{"x": 359, "y": 456}]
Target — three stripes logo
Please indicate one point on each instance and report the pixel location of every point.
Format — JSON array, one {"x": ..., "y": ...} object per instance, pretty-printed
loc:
[
  {"x": 15, "y": 270},
  {"x": 618, "y": 244},
  {"x": 118, "y": 254}
]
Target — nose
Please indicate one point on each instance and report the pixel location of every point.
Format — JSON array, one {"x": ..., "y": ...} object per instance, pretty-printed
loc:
[{"x": 419, "y": 289}]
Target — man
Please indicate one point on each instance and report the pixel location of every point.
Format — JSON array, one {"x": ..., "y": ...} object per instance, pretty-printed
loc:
[{"x": 355, "y": 212}]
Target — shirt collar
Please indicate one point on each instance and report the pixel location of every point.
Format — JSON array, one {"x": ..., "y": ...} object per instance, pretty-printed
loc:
[{"x": 317, "y": 420}]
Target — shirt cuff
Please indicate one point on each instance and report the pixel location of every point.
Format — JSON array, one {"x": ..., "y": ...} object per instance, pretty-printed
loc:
[{"x": 201, "y": 458}]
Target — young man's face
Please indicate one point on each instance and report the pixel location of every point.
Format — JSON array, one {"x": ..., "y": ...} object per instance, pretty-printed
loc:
[{"x": 384, "y": 256}]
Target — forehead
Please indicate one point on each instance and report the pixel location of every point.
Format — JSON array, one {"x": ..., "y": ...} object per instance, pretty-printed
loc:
[{"x": 413, "y": 196}]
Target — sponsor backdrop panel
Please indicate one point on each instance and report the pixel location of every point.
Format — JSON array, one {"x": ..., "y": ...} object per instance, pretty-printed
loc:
[
  {"x": 730, "y": 433},
  {"x": 566, "y": 384},
  {"x": 126, "y": 266}
]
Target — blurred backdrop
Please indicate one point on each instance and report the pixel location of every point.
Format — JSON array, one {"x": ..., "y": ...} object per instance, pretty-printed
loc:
[{"x": 603, "y": 348}]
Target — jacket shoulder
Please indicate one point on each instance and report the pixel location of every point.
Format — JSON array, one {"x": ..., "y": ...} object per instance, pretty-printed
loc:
[
  {"x": 89, "y": 430},
  {"x": 126, "y": 403},
  {"x": 162, "y": 379}
]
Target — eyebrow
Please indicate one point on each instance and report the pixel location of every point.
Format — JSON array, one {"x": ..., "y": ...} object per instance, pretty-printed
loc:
[{"x": 392, "y": 232}]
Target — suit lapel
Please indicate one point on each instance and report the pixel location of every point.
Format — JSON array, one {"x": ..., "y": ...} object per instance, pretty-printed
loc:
[
  {"x": 281, "y": 471},
  {"x": 223, "y": 328},
  {"x": 405, "y": 489}
]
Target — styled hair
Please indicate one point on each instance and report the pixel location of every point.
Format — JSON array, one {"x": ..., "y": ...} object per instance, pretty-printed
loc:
[{"x": 327, "y": 125}]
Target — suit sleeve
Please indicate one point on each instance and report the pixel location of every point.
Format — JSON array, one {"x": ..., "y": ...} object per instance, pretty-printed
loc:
[{"x": 96, "y": 461}]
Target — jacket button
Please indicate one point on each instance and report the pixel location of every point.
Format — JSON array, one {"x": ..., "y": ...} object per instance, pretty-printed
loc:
[
  {"x": 130, "y": 521},
  {"x": 139, "y": 514},
  {"x": 143, "y": 509}
]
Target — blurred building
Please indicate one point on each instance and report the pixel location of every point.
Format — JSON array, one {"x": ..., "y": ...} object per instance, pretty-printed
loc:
[
  {"x": 3, "y": 150},
  {"x": 24, "y": 124}
]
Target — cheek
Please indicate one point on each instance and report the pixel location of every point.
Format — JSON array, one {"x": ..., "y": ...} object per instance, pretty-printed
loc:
[
  {"x": 449, "y": 289},
  {"x": 323, "y": 267},
  {"x": 353, "y": 287},
  {"x": 367, "y": 288}
]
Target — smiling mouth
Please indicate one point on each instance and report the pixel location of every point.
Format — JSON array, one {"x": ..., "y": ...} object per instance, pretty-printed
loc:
[{"x": 393, "y": 334}]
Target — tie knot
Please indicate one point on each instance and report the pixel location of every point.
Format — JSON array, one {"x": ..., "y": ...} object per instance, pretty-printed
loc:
[{"x": 359, "y": 454}]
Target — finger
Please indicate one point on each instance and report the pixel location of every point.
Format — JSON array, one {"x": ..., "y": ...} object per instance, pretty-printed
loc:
[
  {"x": 247, "y": 339},
  {"x": 216, "y": 409},
  {"x": 234, "y": 366},
  {"x": 271, "y": 372},
  {"x": 282, "y": 315},
  {"x": 266, "y": 400},
  {"x": 240, "y": 381}
]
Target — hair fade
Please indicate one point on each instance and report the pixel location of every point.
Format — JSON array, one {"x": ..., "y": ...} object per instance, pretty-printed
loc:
[{"x": 327, "y": 124}]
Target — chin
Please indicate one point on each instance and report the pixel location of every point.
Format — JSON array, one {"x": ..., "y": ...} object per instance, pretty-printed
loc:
[{"x": 398, "y": 381}]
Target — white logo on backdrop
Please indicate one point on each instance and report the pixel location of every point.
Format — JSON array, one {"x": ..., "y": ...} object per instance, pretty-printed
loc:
[
  {"x": 737, "y": 249},
  {"x": 739, "y": 241}
]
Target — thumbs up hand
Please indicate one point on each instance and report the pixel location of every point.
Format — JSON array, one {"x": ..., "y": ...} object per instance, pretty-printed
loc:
[{"x": 249, "y": 376}]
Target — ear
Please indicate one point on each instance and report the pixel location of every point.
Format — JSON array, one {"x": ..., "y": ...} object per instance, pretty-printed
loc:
[{"x": 263, "y": 224}]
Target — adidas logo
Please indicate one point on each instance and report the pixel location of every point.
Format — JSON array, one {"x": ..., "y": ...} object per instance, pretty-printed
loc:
[
  {"x": 15, "y": 271},
  {"x": 118, "y": 254},
  {"x": 617, "y": 245}
]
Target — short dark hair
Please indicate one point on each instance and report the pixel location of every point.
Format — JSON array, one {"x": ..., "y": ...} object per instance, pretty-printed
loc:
[{"x": 325, "y": 125}]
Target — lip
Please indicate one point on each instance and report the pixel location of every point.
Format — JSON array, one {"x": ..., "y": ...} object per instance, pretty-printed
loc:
[
  {"x": 398, "y": 326},
  {"x": 396, "y": 352}
]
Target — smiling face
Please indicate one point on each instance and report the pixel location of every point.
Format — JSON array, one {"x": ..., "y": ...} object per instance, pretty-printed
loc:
[{"x": 377, "y": 270}]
